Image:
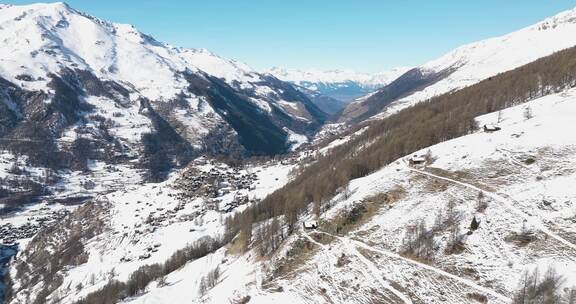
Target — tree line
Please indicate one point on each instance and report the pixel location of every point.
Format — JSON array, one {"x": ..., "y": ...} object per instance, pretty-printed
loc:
[{"x": 114, "y": 291}]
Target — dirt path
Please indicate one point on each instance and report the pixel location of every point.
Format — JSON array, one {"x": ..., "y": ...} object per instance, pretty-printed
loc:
[
  {"x": 376, "y": 273},
  {"x": 328, "y": 265},
  {"x": 507, "y": 203},
  {"x": 466, "y": 282}
]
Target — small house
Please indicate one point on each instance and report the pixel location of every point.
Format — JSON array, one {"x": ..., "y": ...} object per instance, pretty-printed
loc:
[
  {"x": 310, "y": 225},
  {"x": 491, "y": 128},
  {"x": 417, "y": 160}
]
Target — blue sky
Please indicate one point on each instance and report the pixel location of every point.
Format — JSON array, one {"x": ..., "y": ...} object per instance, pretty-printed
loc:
[{"x": 362, "y": 35}]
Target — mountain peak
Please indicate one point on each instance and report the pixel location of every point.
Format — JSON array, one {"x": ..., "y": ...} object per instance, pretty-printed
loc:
[
  {"x": 42, "y": 6},
  {"x": 49, "y": 42}
]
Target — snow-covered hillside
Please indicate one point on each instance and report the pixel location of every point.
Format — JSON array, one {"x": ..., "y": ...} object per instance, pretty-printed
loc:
[
  {"x": 526, "y": 192},
  {"x": 195, "y": 90},
  {"x": 144, "y": 224},
  {"x": 91, "y": 107},
  {"x": 468, "y": 65},
  {"x": 123, "y": 174}
]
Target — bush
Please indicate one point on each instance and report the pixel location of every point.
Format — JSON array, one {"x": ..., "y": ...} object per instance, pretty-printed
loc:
[
  {"x": 474, "y": 224},
  {"x": 522, "y": 238},
  {"x": 535, "y": 288},
  {"x": 481, "y": 202},
  {"x": 478, "y": 297},
  {"x": 209, "y": 281},
  {"x": 243, "y": 300},
  {"x": 418, "y": 242}
]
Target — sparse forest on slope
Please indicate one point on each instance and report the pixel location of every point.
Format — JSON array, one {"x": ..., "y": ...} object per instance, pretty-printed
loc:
[{"x": 438, "y": 119}]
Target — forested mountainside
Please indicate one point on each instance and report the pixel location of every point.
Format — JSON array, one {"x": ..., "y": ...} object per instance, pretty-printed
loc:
[
  {"x": 465, "y": 66},
  {"x": 436, "y": 120}
]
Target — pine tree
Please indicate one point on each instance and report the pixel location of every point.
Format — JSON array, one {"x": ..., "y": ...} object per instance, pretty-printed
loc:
[
  {"x": 528, "y": 112},
  {"x": 474, "y": 225}
]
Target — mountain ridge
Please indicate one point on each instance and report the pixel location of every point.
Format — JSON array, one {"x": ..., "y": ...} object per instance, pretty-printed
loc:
[{"x": 467, "y": 65}]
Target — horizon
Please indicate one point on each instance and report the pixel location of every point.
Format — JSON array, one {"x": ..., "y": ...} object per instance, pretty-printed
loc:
[{"x": 254, "y": 34}]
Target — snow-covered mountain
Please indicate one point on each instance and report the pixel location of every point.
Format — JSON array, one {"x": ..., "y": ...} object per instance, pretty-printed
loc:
[
  {"x": 343, "y": 85},
  {"x": 62, "y": 69},
  {"x": 513, "y": 185},
  {"x": 468, "y": 65},
  {"x": 352, "y": 218},
  {"x": 90, "y": 107}
]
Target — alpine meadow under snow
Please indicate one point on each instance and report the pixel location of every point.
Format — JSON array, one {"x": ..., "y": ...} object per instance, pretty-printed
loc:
[{"x": 133, "y": 171}]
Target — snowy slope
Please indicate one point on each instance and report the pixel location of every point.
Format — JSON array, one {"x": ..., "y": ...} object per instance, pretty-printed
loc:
[
  {"x": 470, "y": 64},
  {"x": 364, "y": 265},
  {"x": 146, "y": 224},
  {"x": 91, "y": 107},
  {"x": 525, "y": 172},
  {"x": 536, "y": 196}
]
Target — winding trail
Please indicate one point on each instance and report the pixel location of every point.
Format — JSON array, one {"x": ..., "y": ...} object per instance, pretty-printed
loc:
[
  {"x": 469, "y": 283},
  {"x": 328, "y": 265},
  {"x": 376, "y": 273},
  {"x": 507, "y": 203}
]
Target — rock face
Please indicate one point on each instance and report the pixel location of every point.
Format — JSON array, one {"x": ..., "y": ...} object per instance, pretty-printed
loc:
[{"x": 75, "y": 88}]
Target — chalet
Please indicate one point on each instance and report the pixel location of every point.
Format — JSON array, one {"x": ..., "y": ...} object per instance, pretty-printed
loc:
[
  {"x": 310, "y": 224},
  {"x": 491, "y": 128},
  {"x": 228, "y": 208},
  {"x": 417, "y": 160}
]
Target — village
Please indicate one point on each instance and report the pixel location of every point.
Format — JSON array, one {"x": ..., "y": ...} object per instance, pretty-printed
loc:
[
  {"x": 215, "y": 181},
  {"x": 11, "y": 233},
  {"x": 204, "y": 187}
]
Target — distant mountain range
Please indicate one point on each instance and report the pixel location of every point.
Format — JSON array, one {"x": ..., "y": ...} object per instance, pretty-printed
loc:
[{"x": 333, "y": 89}]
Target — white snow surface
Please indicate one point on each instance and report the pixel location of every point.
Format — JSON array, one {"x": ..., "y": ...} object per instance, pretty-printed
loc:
[
  {"x": 494, "y": 163},
  {"x": 128, "y": 236}
]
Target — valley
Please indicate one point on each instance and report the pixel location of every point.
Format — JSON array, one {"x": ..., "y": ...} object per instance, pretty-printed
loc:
[{"x": 134, "y": 171}]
